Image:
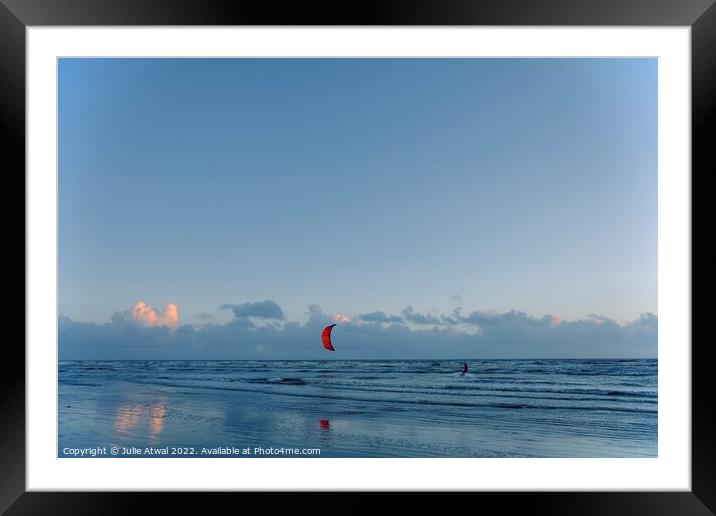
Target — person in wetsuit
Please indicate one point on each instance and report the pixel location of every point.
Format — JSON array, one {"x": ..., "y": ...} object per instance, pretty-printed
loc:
[{"x": 464, "y": 368}]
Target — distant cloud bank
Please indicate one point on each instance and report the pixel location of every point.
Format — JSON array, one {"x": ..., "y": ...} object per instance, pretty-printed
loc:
[{"x": 259, "y": 330}]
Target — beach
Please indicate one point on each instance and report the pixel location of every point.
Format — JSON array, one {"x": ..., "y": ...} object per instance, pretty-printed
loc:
[{"x": 387, "y": 408}]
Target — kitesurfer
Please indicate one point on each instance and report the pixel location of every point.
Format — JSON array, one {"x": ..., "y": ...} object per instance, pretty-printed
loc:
[{"x": 464, "y": 368}]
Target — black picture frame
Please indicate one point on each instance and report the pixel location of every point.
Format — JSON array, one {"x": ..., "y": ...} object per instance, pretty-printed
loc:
[{"x": 700, "y": 15}]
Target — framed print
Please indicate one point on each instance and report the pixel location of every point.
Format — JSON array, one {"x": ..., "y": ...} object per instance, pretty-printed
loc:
[{"x": 424, "y": 252}]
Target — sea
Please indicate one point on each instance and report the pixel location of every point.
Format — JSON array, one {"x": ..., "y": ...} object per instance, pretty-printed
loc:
[{"x": 360, "y": 408}]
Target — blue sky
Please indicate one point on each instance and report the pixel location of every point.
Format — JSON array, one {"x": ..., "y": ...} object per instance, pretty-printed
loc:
[{"x": 362, "y": 186}]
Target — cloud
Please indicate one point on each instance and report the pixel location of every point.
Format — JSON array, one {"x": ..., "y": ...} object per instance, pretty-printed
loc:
[
  {"x": 456, "y": 299},
  {"x": 263, "y": 310},
  {"x": 645, "y": 328},
  {"x": 144, "y": 314},
  {"x": 341, "y": 318},
  {"x": 511, "y": 318},
  {"x": 380, "y": 317},
  {"x": 479, "y": 334},
  {"x": 414, "y": 317},
  {"x": 519, "y": 328},
  {"x": 313, "y": 310},
  {"x": 450, "y": 321}
]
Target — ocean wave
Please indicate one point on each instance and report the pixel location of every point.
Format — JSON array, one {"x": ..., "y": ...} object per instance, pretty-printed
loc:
[
  {"x": 423, "y": 401},
  {"x": 279, "y": 381}
]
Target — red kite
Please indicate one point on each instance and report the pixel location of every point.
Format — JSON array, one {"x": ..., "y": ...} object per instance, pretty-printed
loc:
[{"x": 326, "y": 337}]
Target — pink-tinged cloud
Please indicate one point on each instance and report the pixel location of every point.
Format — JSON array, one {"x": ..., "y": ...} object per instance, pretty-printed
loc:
[
  {"x": 145, "y": 314},
  {"x": 341, "y": 318}
]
